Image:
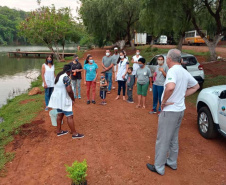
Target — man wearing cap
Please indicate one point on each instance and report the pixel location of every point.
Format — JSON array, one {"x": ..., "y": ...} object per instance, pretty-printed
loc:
[
  {"x": 76, "y": 76},
  {"x": 107, "y": 64},
  {"x": 115, "y": 57},
  {"x": 62, "y": 99},
  {"x": 178, "y": 85}
]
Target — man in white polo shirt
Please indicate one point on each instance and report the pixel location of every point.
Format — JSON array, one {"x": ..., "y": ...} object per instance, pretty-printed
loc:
[{"x": 179, "y": 84}]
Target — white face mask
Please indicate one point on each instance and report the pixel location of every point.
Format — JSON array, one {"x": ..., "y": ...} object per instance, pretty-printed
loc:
[
  {"x": 160, "y": 62},
  {"x": 107, "y": 54},
  {"x": 121, "y": 57},
  {"x": 138, "y": 53}
]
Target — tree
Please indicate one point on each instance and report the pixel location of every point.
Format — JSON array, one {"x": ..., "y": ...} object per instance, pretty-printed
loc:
[
  {"x": 161, "y": 16},
  {"x": 110, "y": 20},
  {"x": 165, "y": 17},
  {"x": 212, "y": 9},
  {"x": 9, "y": 19},
  {"x": 49, "y": 26}
]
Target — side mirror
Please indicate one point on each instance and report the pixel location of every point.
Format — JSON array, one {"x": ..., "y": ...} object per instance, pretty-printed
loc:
[{"x": 223, "y": 95}]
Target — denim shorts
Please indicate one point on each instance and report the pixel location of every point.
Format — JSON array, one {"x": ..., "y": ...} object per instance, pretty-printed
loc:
[{"x": 66, "y": 113}]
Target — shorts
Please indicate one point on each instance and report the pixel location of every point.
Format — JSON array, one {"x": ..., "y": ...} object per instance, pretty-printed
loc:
[
  {"x": 66, "y": 113},
  {"x": 142, "y": 89},
  {"x": 103, "y": 94}
]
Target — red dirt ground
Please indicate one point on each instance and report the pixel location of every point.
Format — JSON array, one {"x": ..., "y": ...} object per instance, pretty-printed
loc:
[{"x": 119, "y": 141}]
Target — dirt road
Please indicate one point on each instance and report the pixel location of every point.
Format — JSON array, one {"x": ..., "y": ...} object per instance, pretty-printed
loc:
[{"x": 119, "y": 141}]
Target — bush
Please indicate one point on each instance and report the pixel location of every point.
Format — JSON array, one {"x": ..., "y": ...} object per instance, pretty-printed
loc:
[
  {"x": 77, "y": 172},
  {"x": 155, "y": 49}
]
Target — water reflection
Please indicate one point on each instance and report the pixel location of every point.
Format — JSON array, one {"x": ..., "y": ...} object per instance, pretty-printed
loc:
[{"x": 16, "y": 75}]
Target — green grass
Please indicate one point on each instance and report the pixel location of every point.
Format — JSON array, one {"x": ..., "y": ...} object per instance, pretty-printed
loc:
[{"x": 16, "y": 114}]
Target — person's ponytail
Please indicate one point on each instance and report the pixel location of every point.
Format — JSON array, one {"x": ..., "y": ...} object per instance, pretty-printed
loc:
[
  {"x": 58, "y": 76},
  {"x": 66, "y": 68}
]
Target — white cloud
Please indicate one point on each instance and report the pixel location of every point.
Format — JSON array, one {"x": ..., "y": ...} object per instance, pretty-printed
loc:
[{"x": 28, "y": 5}]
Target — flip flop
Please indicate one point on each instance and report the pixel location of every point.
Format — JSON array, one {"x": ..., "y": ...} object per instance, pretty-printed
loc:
[{"x": 138, "y": 106}]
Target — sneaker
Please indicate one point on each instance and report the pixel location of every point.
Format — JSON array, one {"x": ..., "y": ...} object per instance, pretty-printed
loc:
[
  {"x": 79, "y": 97},
  {"x": 46, "y": 109},
  {"x": 159, "y": 113},
  {"x": 104, "y": 103},
  {"x": 113, "y": 87},
  {"x": 93, "y": 102},
  {"x": 153, "y": 112},
  {"x": 77, "y": 136},
  {"x": 130, "y": 101},
  {"x": 62, "y": 133},
  {"x": 75, "y": 97},
  {"x": 88, "y": 102}
]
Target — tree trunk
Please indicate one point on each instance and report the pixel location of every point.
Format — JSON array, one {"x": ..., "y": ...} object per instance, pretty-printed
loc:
[
  {"x": 212, "y": 46},
  {"x": 63, "y": 50},
  {"x": 180, "y": 43}
]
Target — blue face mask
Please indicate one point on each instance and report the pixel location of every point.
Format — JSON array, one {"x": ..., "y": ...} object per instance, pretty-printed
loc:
[
  {"x": 91, "y": 61},
  {"x": 49, "y": 61},
  {"x": 101, "y": 77},
  {"x": 141, "y": 65},
  {"x": 76, "y": 60}
]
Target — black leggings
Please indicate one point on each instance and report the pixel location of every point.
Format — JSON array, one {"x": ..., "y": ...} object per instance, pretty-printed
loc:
[{"x": 122, "y": 84}]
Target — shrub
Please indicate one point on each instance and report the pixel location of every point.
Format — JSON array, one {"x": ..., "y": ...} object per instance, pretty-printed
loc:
[
  {"x": 77, "y": 172},
  {"x": 155, "y": 49}
]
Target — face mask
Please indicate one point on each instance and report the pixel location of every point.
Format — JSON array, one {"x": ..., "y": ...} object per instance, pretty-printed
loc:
[
  {"x": 160, "y": 62},
  {"x": 138, "y": 53},
  {"x": 76, "y": 60},
  {"x": 107, "y": 54},
  {"x": 91, "y": 61},
  {"x": 121, "y": 57},
  {"x": 141, "y": 65},
  {"x": 49, "y": 61},
  {"x": 101, "y": 77}
]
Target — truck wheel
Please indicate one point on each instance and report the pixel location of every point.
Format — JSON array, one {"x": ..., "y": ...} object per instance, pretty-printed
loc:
[{"x": 206, "y": 125}]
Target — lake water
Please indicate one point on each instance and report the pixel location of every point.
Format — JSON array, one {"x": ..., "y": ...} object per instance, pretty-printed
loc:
[{"x": 16, "y": 74}]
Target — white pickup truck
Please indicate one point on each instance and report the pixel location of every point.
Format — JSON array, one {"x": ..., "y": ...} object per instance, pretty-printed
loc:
[{"x": 211, "y": 107}]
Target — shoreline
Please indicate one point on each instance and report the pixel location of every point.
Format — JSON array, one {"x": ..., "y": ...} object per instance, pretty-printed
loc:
[{"x": 15, "y": 113}]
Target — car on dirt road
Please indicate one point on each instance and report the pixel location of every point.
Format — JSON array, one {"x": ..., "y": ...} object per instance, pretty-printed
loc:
[
  {"x": 191, "y": 63},
  {"x": 211, "y": 108}
]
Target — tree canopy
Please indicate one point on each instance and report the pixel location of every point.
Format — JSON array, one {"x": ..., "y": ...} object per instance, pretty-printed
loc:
[
  {"x": 110, "y": 20},
  {"x": 51, "y": 27},
  {"x": 9, "y": 19}
]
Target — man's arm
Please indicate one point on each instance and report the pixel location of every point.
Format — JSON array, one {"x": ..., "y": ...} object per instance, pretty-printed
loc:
[
  {"x": 103, "y": 64},
  {"x": 168, "y": 92},
  {"x": 192, "y": 90}
]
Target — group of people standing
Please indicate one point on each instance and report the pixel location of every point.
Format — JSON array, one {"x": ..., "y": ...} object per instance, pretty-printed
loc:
[
  {"x": 170, "y": 87},
  {"x": 118, "y": 64}
]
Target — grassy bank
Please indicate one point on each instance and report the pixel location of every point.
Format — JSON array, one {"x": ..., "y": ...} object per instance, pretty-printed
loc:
[{"x": 16, "y": 114}]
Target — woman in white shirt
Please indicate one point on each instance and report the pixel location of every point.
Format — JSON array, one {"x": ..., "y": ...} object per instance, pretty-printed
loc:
[
  {"x": 135, "y": 61},
  {"x": 48, "y": 78},
  {"x": 122, "y": 68}
]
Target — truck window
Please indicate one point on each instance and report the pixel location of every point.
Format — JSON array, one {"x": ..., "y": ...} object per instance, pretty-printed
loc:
[
  {"x": 190, "y": 61},
  {"x": 153, "y": 61}
]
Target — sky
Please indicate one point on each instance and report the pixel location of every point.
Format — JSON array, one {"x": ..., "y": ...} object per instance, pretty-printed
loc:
[{"x": 28, "y": 5}]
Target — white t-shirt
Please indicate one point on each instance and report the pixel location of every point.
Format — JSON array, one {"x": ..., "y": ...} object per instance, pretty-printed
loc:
[
  {"x": 136, "y": 65},
  {"x": 183, "y": 80},
  {"x": 121, "y": 69}
]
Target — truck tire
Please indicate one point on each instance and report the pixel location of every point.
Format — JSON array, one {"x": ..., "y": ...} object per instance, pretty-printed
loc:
[{"x": 206, "y": 126}]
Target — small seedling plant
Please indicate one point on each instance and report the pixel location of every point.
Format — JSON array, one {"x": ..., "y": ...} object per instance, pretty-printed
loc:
[{"x": 77, "y": 172}]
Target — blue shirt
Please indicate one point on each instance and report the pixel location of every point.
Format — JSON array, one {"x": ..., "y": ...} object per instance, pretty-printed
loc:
[{"x": 90, "y": 71}]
